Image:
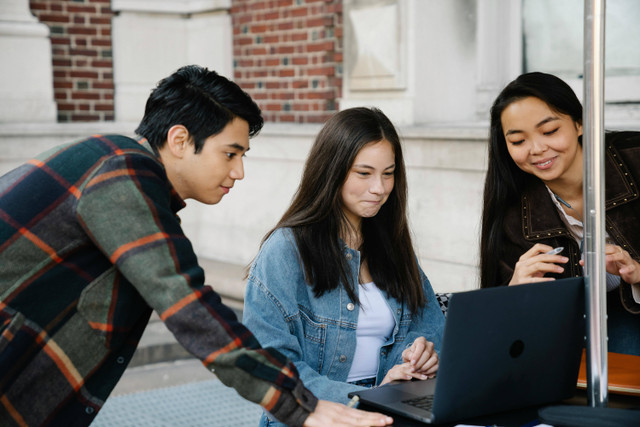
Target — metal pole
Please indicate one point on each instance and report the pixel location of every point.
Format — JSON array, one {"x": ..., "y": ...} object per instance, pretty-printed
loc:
[{"x": 594, "y": 211}]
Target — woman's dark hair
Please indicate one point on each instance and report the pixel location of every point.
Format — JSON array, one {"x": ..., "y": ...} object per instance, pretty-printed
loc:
[
  {"x": 199, "y": 99},
  {"x": 505, "y": 181},
  {"x": 317, "y": 218}
]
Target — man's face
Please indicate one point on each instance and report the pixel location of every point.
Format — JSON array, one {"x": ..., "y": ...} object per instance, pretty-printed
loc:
[{"x": 210, "y": 174}]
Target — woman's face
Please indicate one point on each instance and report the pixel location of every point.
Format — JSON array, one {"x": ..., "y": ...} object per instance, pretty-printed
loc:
[
  {"x": 369, "y": 181},
  {"x": 541, "y": 141}
]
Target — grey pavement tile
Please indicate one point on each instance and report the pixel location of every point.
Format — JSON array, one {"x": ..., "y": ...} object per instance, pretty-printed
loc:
[{"x": 205, "y": 403}]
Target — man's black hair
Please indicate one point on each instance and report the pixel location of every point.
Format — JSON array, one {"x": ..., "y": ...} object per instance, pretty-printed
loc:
[{"x": 199, "y": 99}]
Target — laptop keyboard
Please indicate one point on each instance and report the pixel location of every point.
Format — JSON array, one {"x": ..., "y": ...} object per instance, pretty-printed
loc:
[{"x": 423, "y": 402}]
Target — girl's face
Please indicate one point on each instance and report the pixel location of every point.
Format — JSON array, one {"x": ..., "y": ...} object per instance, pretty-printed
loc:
[
  {"x": 369, "y": 182},
  {"x": 542, "y": 142}
]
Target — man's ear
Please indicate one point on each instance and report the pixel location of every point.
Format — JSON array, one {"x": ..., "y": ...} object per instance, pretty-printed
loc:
[{"x": 179, "y": 140}]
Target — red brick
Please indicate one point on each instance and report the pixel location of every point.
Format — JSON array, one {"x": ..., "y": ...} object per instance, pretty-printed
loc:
[
  {"x": 65, "y": 106},
  {"x": 80, "y": 9},
  {"x": 323, "y": 21},
  {"x": 243, "y": 41},
  {"x": 83, "y": 52},
  {"x": 60, "y": 40},
  {"x": 85, "y": 95},
  {"x": 83, "y": 74},
  {"x": 103, "y": 85},
  {"x": 284, "y": 50},
  {"x": 101, "y": 42},
  {"x": 284, "y": 26},
  {"x": 37, "y": 6},
  {"x": 59, "y": 84},
  {"x": 103, "y": 107},
  {"x": 286, "y": 73},
  {"x": 102, "y": 63},
  {"x": 260, "y": 29},
  {"x": 84, "y": 30},
  {"x": 319, "y": 47},
  {"x": 300, "y": 11},
  {"x": 271, "y": 39},
  {"x": 273, "y": 107},
  {"x": 45, "y": 17},
  {"x": 100, "y": 21},
  {"x": 321, "y": 71},
  {"x": 61, "y": 62},
  {"x": 298, "y": 37}
]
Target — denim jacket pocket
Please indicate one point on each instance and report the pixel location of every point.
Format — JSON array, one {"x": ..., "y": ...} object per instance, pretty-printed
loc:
[{"x": 315, "y": 337}]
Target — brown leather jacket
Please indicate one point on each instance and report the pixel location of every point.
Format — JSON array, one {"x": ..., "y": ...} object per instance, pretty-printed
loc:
[{"x": 536, "y": 219}]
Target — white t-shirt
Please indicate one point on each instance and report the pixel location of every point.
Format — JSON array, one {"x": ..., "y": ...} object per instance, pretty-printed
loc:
[
  {"x": 577, "y": 231},
  {"x": 375, "y": 326}
]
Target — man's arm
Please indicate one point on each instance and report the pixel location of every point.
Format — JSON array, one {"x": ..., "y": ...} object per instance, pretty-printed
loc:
[{"x": 125, "y": 207}]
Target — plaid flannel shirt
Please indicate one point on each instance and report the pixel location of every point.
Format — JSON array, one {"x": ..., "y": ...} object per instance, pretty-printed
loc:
[{"x": 90, "y": 243}]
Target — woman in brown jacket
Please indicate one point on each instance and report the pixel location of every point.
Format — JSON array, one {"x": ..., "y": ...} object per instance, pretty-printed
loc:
[{"x": 533, "y": 200}]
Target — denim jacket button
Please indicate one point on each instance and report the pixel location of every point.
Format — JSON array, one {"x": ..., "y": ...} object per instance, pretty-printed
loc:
[
  {"x": 348, "y": 256},
  {"x": 350, "y": 306},
  {"x": 343, "y": 358}
]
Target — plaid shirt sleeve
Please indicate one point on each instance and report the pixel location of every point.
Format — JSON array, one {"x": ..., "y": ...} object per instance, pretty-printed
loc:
[{"x": 126, "y": 210}]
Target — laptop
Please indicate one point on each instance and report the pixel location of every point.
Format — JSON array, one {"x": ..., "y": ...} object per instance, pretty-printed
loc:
[{"x": 503, "y": 348}]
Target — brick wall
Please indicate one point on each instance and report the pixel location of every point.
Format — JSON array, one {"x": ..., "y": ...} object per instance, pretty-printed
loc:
[
  {"x": 288, "y": 56},
  {"x": 81, "y": 53}
]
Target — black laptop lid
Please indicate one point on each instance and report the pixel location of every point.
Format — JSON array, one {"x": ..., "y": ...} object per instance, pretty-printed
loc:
[{"x": 510, "y": 347}]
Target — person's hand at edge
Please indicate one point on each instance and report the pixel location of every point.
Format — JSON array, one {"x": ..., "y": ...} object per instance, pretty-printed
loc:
[{"x": 339, "y": 415}]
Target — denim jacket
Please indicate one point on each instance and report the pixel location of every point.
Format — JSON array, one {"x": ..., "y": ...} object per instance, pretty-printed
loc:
[{"x": 319, "y": 333}]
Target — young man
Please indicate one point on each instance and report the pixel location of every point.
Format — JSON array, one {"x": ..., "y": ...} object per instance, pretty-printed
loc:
[{"x": 90, "y": 243}]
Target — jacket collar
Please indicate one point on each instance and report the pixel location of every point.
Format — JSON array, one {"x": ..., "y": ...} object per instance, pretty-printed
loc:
[{"x": 541, "y": 219}]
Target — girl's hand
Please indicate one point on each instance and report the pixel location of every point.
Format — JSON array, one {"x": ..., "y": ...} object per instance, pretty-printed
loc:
[
  {"x": 534, "y": 264},
  {"x": 403, "y": 371},
  {"x": 422, "y": 356},
  {"x": 619, "y": 262}
]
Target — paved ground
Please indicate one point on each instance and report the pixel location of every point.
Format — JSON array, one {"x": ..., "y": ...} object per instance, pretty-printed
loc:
[
  {"x": 164, "y": 386},
  {"x": 180, "y": 393}
]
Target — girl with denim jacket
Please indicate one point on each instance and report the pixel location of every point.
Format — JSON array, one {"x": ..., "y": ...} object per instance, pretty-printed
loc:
[{"x": 336, "y": 285}]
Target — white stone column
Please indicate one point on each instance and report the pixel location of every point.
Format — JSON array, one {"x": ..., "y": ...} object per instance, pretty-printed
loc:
[
  {"x": 153, "y": 38},
  {"x": 415, "y": 59},
  {"x": 26, "y": 76},
  {"x": 499, "y": 35}
]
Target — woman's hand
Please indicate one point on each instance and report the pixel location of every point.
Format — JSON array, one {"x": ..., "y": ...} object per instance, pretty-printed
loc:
[
  {"x": 420, "y": 361},
  {"x": 422, "y": 356},
  {"x": 535, "y": 263},
  {"x": 336, "y": 414},
  {"x": 403, "y": 371},
  {"x": 619, "y": 262}
]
